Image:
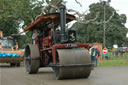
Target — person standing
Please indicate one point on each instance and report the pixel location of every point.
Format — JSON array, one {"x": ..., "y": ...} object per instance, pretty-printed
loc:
[
  {"x": 97, "y": 54},
  {"x": 16, "y": 46},
  {"x": 1, "y": 46},
  {"x": 92, "y": 53}
]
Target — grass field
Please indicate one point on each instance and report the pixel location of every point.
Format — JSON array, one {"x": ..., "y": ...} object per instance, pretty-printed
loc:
[
  {"x": 117, "y": 60},
  {"x": 113, "y": 63}
]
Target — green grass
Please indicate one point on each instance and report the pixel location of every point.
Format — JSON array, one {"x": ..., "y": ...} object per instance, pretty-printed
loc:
[
  {"x": 113, "y": 63},
  {"x": 115, "y": 60}
]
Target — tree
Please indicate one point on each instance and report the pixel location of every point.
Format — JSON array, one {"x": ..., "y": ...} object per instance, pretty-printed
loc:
[
  {"x": 93, "y": 32},
  {"x": 14, "y": 12}
]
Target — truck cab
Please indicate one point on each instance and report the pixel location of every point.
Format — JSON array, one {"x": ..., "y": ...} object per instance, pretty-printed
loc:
[{"x": 7, "y": 43}]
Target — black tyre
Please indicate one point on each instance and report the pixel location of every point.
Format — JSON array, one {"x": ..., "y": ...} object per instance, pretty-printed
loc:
[
  {"x": 12, "y": 64},
  {"x": 18, "y": 64},
  {"x": 32, "y": 64}
]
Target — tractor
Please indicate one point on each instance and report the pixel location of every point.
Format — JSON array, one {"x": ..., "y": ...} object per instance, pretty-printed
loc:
[
  {"x": 9, "y": 52},
  {"x": 56, "y": 47}
]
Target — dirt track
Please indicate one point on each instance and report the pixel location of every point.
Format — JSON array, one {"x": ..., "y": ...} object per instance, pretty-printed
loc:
[{"x": 99, "y": 76}]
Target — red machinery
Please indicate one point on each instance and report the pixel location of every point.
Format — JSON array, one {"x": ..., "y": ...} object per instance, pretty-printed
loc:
[{"x": 56, "y": 48}]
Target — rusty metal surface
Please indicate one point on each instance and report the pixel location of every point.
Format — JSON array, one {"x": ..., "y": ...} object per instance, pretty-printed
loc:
[
  {"x": 47, "y": 18},
  {"x": 80, "y": 60}
]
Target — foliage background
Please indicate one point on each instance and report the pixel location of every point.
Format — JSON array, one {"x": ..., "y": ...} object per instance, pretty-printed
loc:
[
  {"x": 15, "y": 12},
  {"x": 115, "y": 29}
]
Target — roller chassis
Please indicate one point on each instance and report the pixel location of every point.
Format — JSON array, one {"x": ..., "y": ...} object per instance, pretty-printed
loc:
[
  {"x": 67, "y": 58},
  {"x": 84, "y": 68}
]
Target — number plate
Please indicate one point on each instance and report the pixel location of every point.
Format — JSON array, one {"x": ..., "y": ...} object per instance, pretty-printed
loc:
[{"x": 71, "y": 45}]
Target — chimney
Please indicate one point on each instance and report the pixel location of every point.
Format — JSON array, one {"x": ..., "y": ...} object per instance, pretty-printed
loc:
[
  {"x": 62, "y": 22},
  {"x": 1, "y": 34}
]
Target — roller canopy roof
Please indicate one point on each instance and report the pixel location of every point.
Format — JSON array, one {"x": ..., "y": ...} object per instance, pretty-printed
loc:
[{"x": 43, "y": 21}]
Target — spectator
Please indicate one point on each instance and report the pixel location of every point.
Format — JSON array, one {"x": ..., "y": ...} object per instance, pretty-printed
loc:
[
  {"x": 92, "y": 53},
  {"x": 97, "y": 54},
  {"x": 105, "y": 55},
  {"x": 16, "y": 46},
  {"x": 34, "y": 35},
  {"x": 1, "y": 46}
]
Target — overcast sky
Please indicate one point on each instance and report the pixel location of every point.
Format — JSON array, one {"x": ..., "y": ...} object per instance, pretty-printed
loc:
[{"x": 120, "y": 5}]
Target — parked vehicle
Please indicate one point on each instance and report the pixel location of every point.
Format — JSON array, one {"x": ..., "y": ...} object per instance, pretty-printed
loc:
[
  {"x": 9, "y": 52},
  {"x": 125, "y": 50}
]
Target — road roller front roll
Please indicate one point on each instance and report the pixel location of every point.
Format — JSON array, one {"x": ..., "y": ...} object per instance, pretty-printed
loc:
[{"x": 73, "y": 63}]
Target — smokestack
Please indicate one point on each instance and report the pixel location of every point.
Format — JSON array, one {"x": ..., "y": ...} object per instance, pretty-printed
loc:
[
  {"x": 1, "y": 34},
  {"x": 62, "y": 22}
]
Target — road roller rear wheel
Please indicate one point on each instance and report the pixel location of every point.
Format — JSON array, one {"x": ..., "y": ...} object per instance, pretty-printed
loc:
[
  {"x": 73, "y": 63},
  {"x": 31, "y": 63}
]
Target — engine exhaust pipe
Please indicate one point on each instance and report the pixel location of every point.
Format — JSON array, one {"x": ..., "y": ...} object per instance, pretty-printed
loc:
[{"x": 62, "y": 22}]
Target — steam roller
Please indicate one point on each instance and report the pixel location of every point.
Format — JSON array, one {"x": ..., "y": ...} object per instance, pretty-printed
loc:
[
  {"x": 73, "y": 63},
  {"x": 57, "y": 47}
]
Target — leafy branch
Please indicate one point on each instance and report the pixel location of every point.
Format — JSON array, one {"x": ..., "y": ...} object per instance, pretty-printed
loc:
[{"x": 80, "y": 16}]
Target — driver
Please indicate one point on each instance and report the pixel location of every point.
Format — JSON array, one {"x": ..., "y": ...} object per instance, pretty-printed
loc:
[{"x": 35, "y": 35}]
